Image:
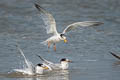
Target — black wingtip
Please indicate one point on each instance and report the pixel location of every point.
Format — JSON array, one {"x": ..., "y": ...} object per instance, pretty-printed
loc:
[
  {"x": 112, "y": 53},
  {"x": 118, "y": 57},
  {"x": 16, "y": 45},
  {"x": 40, "y": 57},
  {"x": 98, "y": 23},
  {"x": 37, "y": 6}
]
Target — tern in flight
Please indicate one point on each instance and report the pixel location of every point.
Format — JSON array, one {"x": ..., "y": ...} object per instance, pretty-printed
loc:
[{"x": 50, "y": 26}]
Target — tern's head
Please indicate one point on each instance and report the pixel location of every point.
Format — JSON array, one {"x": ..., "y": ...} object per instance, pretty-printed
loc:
[
  {"x": 64, "y": 63},
  {"x": 42, "y": 66},
  {"x": 65, "y": 60},
  {"x": 39, "y": 68},
  {"x": 63, "y": 37}
]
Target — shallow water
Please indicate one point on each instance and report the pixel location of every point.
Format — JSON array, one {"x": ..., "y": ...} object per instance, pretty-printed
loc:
[{"x": 88, "y": 48}]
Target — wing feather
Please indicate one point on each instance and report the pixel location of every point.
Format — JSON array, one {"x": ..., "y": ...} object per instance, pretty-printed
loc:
[
  {"x": 118, "y": 57},
  {"x": 81, "y": 24},
  {"x": 48, "y": 20}
]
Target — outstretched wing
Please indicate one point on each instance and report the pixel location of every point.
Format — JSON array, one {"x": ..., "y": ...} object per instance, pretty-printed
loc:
[
  {"x": 28, "y": 63},
  {"x": 48, "y": 20},
  {"x": 81, "y": 24},
  {"x": 118, "y": 57}
]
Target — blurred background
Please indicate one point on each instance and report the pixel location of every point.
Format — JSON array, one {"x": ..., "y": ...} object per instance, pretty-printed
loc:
[{"x": 88, "y": 47}]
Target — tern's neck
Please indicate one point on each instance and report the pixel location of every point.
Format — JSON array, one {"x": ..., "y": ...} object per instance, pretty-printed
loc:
[{"x": 64, "y": 65}]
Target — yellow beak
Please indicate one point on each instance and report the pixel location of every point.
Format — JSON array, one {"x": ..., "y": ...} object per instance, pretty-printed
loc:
[
  {"x": 65, "y": 40},
  {"x": 45, "y": 67}
]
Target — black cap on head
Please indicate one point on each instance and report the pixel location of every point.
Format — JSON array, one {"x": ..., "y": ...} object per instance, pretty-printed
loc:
[
  {"x": 63, "y": 59},
  {"x": 39, "y": 64},
  {"x": 61, "y": 35}
]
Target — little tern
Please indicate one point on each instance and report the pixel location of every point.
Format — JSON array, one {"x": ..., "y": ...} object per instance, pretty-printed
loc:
[{"x": 50, "y": 26}]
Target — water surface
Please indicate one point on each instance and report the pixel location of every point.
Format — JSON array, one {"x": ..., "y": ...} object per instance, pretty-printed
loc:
[{"x": 88, "y": 48}]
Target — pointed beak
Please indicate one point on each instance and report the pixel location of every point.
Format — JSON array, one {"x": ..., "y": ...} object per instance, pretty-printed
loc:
[
  {"x": 65, "y": 41},
  {"x": 45, "y": 67}
]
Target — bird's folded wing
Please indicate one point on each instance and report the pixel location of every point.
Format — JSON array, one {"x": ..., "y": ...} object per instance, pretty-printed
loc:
[
  {"x": 81, "y": 24},
  {"x": 48, "y": 20}
]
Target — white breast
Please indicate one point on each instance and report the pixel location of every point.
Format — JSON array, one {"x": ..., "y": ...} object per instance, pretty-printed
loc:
[
  {"x": 64, "y": 65},
  {"x": 38, "y": 70},
  {"x": 54, "y": 39}
]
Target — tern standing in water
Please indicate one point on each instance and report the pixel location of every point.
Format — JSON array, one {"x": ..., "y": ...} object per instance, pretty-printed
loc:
[{"x": 51, "y": 27}]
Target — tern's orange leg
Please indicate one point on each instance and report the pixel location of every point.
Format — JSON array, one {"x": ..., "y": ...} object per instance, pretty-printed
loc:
[
  {"x": 49, "y": 44},
  {"x": 54, "y": 47}
]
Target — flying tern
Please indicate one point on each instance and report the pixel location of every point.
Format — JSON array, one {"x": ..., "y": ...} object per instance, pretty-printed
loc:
[{"x": 50, "y": 26}]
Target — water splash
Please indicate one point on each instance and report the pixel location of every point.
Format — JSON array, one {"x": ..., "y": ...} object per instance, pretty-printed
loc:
[{"x": 28, "y": 67}]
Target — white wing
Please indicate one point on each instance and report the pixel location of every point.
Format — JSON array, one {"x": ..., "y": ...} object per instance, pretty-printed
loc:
[
  {"x": 28, "y": 63},
  {"x": 48, "y": 20},
  {"x": 81, "y": 24}
]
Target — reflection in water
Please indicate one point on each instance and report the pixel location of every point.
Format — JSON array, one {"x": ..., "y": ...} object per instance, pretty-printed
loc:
[
  {"x": 55, "y": 75},
  {"x": 26, "y": 79},
  {"x": 117, "y": 63}
]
